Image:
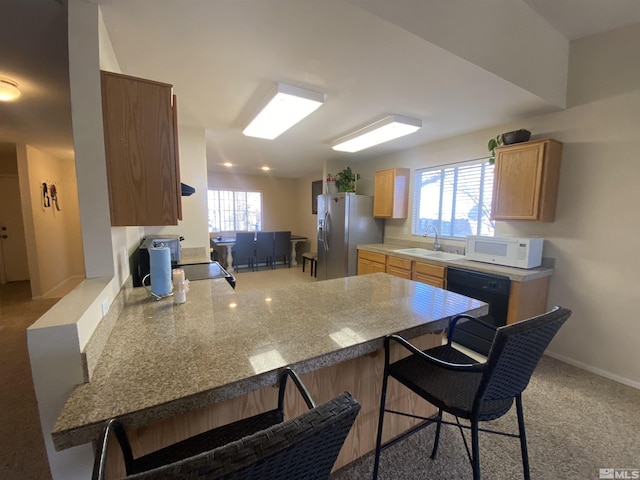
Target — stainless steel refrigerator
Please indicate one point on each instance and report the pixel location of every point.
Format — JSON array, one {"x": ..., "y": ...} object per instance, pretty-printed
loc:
[{"x": 345, "y": 220}]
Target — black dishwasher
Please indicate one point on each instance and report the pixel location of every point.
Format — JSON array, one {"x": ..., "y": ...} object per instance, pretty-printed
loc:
[{"x": 491, "y": 289}]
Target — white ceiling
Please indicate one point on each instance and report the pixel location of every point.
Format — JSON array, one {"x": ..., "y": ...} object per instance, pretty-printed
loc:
[{"x": 222, "y": 55}]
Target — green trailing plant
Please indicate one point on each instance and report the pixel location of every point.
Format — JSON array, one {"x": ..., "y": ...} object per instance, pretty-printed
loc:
[
  {"x": 493, "y": 144},
  {"x": 346, "y": 180}
]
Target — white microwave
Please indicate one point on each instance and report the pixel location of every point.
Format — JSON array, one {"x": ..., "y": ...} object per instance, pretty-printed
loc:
[{"x": 508, "y": 251}]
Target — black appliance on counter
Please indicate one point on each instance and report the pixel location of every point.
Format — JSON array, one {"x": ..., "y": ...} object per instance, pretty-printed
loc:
[
  {"x": 144, "y": 267},
  {"x": 491, "y": 289}
]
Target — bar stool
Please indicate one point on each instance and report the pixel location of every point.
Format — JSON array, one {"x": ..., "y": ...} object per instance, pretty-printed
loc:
[{"x": 312, "y": 257}]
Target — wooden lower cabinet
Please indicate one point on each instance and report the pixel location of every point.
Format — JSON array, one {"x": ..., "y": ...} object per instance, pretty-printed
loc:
[
  {"x": 370, "y": 262},
  {"x": 399, "y": 267},
  {"x": 362, "y": 377},
  {"x": 430, "y": 274},
  {"x": 526, "y": 299}
]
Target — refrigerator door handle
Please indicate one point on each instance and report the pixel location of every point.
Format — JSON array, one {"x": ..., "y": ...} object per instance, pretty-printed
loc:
[{"x": 324, "y": 232}]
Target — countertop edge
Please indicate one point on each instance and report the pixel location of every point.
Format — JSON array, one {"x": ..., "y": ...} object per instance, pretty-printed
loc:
[
  {"x": 63, "y": 439},
  {"x": 514, "y": 274}
]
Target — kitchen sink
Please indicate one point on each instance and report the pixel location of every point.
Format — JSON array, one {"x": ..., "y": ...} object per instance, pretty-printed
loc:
[
  {"x": 444, "y": 255},
  {"x": 423, "y": 252},
  {"x": 414, "y": 251}
]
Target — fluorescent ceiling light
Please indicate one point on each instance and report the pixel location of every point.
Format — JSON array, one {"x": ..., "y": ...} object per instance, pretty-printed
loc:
[
  {"x": 8, "y": 90},
  {"x": 286, "y": 106},
  {"x": 388, "y": 128}
]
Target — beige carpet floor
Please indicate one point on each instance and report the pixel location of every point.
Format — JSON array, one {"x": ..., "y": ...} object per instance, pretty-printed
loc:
[
  {"x": 576, "y": 424},
  {"x": 22, "y": 452}
]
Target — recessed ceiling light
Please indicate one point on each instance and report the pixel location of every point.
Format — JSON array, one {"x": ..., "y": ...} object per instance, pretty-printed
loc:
[
  {"x": 228, "y": 164},
  {"x": 266, "y": 169},
  {"x": 8, "y": 90},
  {"x": 285, "y": 106}
]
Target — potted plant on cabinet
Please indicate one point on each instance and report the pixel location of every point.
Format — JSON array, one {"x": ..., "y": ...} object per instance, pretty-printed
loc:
[
  {"x": 346, "y": 180},
  {"x": 493, "y": 144}
]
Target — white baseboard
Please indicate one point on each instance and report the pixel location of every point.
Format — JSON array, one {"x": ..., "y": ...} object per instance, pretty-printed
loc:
[{"x": 597, "y": 371}]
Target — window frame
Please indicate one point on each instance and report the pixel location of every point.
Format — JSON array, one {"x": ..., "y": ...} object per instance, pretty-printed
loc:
[
  {"x": 234, "y": 191},
  {"x": 482, "y": 204}
]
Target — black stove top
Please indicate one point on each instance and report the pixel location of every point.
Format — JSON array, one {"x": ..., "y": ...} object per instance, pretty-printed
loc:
[{"x": 205, "y": 271}]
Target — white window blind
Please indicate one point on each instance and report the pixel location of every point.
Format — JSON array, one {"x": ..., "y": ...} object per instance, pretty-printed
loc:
[
  {"x": 456, "y": 199},
  {"x": 234, "y": 210}
]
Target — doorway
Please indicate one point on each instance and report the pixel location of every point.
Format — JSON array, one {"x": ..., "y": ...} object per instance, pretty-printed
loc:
[{"x": 14, "y": 266}]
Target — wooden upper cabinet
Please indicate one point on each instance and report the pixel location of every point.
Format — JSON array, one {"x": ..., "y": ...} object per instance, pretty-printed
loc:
[
  {"x": 391, "y": 193},
  {"x": 141, "y": 145},
  {"x": 525, "y": 183}
]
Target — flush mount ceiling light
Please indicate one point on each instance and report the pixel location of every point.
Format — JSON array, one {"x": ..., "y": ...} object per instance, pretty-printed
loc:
[
  {"x": 8, "y": 90},
  {"x": 285, "y": 106},
  {"x": 388, "y": 128}
]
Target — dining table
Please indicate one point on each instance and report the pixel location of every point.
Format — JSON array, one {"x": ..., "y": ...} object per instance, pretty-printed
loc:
[{"x": 229, "y": 242}]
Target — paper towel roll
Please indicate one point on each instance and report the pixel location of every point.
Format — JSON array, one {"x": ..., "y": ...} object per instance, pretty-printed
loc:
[{"x": 160, "y": 263}]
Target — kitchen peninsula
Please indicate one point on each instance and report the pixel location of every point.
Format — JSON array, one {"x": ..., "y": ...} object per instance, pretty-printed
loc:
[{"x": 178, "y": 370}]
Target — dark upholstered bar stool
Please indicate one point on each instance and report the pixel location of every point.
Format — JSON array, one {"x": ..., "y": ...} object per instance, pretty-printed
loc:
[
  {"x": 264, "y": 248},
  {"x": 282, "y": 248},
  {"x": 461, "y": 386},
  {"x": 244, "y": 250},
  {"x": 264, "y": 446}
]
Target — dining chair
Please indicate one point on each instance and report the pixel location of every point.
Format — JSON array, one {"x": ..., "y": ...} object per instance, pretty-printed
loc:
[
  {"x": 244, "y": 250},
  {"x": 264, "y": 248},
  {"x": 465, "y": 388},
  {"x": 263, "y": 447},
  {"x": 282, "y": 248}
]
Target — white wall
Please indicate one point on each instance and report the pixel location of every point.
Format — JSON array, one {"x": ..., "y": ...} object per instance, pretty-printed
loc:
[
  {"x": 596, "y": 273},
  {"x": 279, "y": 197},
  {"x": 53, "y": 237}
]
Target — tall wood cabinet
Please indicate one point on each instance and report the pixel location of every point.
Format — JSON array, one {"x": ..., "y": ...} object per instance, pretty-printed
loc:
[
  {"x": 391, "y": 193},
  {"x": 141, "y": 146},
  {"x": 525, "y": 183}
]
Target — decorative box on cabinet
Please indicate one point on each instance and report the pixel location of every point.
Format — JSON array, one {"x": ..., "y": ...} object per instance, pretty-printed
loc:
[
  {"x": 525, "y": 183},
  {"x": 370, "y": 262},
  {"x": 140, "y": 132},
  {"x": 391, "y": 193}
]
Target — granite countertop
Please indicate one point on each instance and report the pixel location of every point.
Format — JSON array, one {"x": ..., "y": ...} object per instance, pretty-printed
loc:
[
  {"x": 162, "y": 360},
  {"x": 515, "y": 274}
]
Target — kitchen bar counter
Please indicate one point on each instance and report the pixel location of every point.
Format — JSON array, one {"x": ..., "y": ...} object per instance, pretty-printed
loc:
[
  {"x": 515, "y": 274},
  {"x": 162, "y": 360}
]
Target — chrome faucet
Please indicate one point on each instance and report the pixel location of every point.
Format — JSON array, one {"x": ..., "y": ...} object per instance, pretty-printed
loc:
[{"x": 436, "y": 244}]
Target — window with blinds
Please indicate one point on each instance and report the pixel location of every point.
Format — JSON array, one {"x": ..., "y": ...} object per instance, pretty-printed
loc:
[
  {"x": 456, "y": 199},
  {"x": 234, "y": 210}
]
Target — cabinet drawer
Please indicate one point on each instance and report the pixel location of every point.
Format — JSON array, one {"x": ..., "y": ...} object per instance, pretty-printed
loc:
[
  {"x": 428, "y": 269},
  {"x": 399, "y": 263},
  {"x": 429, "y": 280},
  {"x": 374, "y": 257},
  {"x": 399, "y": 272}
]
